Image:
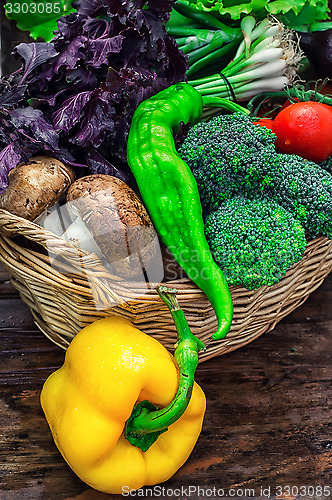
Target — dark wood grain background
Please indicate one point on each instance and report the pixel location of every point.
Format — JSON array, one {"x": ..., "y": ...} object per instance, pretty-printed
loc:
[{"x": 268, "y": 425}]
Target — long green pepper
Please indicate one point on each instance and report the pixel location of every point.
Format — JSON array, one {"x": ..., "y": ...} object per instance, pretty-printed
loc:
[{"x": 170, "y": 194}]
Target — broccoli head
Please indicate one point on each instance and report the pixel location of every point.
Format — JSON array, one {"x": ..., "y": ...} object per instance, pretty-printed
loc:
[
  {"x": 229, "y": 155},
  {"x": 254, "y": 240},
  {"x": 305, "y": 190},
  {"x": 327, "y": 165}
]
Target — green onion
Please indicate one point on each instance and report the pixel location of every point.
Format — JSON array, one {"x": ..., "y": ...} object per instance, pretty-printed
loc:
[{"x": 266, "y": 59}]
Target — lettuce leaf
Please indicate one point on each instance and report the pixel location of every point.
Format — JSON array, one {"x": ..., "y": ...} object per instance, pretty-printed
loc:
[
  {"x": 305, "y": 18},
  {"x": 293, "y": 13}
]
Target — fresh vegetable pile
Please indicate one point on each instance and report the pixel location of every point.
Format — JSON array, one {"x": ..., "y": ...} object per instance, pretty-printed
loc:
[{"x": 124, "y": 131}]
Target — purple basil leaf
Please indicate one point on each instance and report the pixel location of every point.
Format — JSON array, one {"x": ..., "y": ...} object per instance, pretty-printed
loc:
[
  {"x": 98, "y": 164},
  {"x": 88, "y": 7},
  {"x": 69, "y": 27},
  {"x": 65, "y": 156},
  {"x": 9, "y": 159},
  {"x": 37, "y": 103},
  {"x": 4, "y": 136},
  {"x": 33, "y": 119},
  {"x": 103, "y": 48},
  {"x": 66, "y": 117},
  {"x": 173, "y": 66},
  {"x": 12, "y": 95},
  {"x": 70, "y": 56},
  {"x": 133, "y": 45},
  {"x": 34, "y": 54},
  {"x": 95, "y": 125},
  {"x": 96, "y": 28},
  {"x": 114, "y": 82},
  {"x": 79, "y": 78},
  {"x": 164, "y": 7}
]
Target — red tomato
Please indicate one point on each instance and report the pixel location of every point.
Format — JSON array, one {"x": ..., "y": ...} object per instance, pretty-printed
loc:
[
  {"x": 264, "y": 122},
  {"x": 305, "y": 129}
]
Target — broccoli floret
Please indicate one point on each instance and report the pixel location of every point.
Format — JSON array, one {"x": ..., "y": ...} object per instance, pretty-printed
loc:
[
  {"x": 327, "y": 165},
  {"x": 305, "y": 190},
  {"x": 254, "y": 240},
  {"x": 228, "y": 155}
]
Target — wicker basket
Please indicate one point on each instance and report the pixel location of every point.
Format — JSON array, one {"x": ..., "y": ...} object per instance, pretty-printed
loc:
[{"x": 67, "y": 289}]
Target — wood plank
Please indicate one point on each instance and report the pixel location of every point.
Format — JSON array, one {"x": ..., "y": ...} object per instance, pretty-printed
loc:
[
  {"x": 4, "y": 275},
  {"x": 6, "y": 288},
  {"x": 15, "y": 314}
]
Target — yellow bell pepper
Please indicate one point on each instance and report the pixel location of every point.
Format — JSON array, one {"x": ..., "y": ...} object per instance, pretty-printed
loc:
[{"x": 123, "y": 411}]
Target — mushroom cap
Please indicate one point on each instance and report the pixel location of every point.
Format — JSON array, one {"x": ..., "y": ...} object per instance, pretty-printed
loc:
[
  {"x": 35, "y": 186},
  {"x": 118, "y": 221}
]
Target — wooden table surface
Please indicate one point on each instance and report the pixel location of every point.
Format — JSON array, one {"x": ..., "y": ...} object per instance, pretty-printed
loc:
[{"x": 267, "y": 431}]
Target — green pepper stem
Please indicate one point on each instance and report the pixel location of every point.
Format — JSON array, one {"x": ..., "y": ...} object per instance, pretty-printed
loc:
[
  {"x": 221, "y": 102},
  {"x": 147, "y": 422}
]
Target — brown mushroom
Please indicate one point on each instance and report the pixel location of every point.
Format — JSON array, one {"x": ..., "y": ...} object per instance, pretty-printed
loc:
[
  {"x": 118, "y": 221},
  {"x": 35, "y": 186}
]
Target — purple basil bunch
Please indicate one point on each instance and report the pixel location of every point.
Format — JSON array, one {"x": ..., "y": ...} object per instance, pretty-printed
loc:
[{"x": 75, "y": 96}]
